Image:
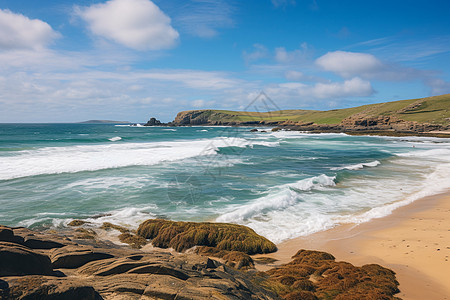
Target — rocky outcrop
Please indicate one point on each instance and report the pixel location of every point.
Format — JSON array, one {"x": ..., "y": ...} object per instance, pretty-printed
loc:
[
  {"x": 198, "y": 117},
  {"x": 154, "y": 122},
  {"x": 316, "y": 275},
  {"x": 426, "y": 116},
  {"x": 72, "y": 257},
  {"x": 16, "y": 259},
  {"x": 45, "y": 287},
  {"x": 95, "y": 270},
  {"x": 360, "y": 122},
  {"x": 184, "y": 235}
]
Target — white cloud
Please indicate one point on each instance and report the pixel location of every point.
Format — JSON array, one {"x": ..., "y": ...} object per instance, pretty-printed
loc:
[
  {"x": 355, "y": 87},
  {"x": 198, "y": 103},
  {"x": 294, "y": 75},
  {"x": 19, "y": 32},
  {"x": 298, "y": 55},
  {"x": 438, "y": 86},
  {"x": 137, "y": 24},
  {"x": 349, "y": 64},
  {"x": 367, "y": 66}
]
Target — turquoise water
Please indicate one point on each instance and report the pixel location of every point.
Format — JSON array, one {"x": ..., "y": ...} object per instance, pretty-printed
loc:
[{"x": 282, "y": 184}]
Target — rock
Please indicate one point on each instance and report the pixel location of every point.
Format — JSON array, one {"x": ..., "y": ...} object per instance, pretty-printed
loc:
[
  {"x": 19, "y": 260},
  {"x": 135, "y": 241},
  {"x": 39, "y": 243},
  {"x": 254, "y": 130},
  {"x": 41, "y": 287},
  {"x": 316, "y": 275},
  {"x": 235, "y": 259},
  {"x": 76, "y": 223},
  {"x": 184, "y": 235},
  {"x": 153, "y": 122},
  {"x": 161, "y": 287},
  {"x": 71, "y": 257},
  {"x": 85, "y": 234},
  {"x": 4, "y": 289},
  {"x": 7, "y": 235}
]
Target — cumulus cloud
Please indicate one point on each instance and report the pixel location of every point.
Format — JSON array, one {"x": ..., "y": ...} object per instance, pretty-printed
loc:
[
  {"x": 367, "y": 66},
  {"x": 19, "y": 32},
  {"x": 348, "y": 64},
  {"x": 136, "y": 24},
  {"x": 355, "y": 87}
]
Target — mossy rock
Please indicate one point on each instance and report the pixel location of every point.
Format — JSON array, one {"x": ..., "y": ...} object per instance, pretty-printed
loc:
[
  {"x": 316, "y": 275},
  {"x": 108, "y": 226},
  {"x": 184, "y": 235},
  {"x": 135, "y": 241},
  {"x": 76, "y": 223},
  {"x": 85, "y": 234},
  {"x": 235, "y": 259}
]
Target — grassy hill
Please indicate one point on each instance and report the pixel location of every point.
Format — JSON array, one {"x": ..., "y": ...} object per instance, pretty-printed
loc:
[{"x": 434, "y": 110}]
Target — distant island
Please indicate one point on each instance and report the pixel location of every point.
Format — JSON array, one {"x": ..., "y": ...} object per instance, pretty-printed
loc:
[
  {"x": 430, "y": 116},
  {"x": 104, "y": 122}
]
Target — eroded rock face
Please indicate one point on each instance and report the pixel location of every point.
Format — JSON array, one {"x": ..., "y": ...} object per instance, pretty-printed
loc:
[
  {"x": 71, "y": 257},
  {"x": 96, "y": 271},
  {"x": 44, "y": 287},
  {"x": 16, "y": 259},
  {"x": 76, "y": 271}
]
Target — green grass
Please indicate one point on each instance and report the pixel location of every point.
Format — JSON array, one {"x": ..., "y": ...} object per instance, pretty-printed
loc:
[{"x": 434, "y": 110}]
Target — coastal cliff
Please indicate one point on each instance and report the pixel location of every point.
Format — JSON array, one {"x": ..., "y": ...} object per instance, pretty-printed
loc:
[{"x": 405, "y": 116}]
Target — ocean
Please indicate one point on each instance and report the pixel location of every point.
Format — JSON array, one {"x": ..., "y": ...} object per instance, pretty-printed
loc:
[{"x": 282, "y": 184}]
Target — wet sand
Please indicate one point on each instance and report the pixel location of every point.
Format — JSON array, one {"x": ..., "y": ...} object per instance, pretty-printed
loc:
[{"x": 414, "y": 241}]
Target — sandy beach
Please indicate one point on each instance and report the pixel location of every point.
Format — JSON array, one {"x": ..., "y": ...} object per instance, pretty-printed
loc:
[{"x": 414, "y": 241}]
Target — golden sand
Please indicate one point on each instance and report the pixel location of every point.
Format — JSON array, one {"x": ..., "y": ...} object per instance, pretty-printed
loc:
[{"x": 414, "y": 241}]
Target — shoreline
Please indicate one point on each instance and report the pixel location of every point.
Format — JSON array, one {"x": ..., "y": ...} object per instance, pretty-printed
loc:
[{"x": 413, "y": 241}]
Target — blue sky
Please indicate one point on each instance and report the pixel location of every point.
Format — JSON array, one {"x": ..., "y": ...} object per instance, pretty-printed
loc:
[{"x": 68, "y": 61}]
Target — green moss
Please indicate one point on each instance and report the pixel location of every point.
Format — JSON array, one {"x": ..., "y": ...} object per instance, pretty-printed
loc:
[
  {"x": 135, "y": 241},
  {"x": 75, "y": 223},
  {"x": 108, "y": 226},
  {"x": 85, "y": 234},
  {"x": 184, "y": 235},
  {"x": 235, "y": 259}
]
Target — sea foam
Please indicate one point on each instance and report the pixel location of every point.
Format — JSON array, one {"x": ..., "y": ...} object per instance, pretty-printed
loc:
[
  {"x": 72, "y": 159},
  {"x": 357, "y": 166}
]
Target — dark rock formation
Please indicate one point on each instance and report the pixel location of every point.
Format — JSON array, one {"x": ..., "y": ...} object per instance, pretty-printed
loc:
[
  {"x": 44, "y": 287},
  {"x": 153, "y": 122},
  {"x": 16, "y": 259}
]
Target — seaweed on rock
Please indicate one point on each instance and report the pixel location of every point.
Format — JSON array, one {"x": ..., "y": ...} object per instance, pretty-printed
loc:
[{"x": 184, "y": 235}]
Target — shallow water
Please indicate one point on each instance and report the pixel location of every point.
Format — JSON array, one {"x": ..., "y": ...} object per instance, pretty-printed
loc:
[{"x": 282, "y": 184}]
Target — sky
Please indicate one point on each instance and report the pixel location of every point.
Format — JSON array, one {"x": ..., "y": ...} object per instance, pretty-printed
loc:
[{"x": 70, "y": 61}]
